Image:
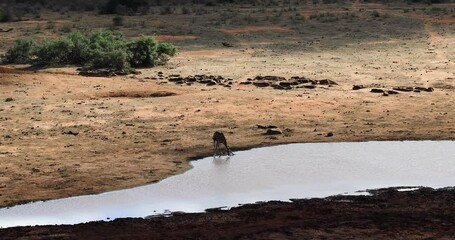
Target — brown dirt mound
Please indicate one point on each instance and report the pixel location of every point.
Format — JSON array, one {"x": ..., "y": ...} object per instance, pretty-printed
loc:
[{"x": 138, "y": 94}]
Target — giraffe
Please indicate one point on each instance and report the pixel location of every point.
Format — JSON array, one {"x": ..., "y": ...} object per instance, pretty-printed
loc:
[{"x": 218, "y": 138}]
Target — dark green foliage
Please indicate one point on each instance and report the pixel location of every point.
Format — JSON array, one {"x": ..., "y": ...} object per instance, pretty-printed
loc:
[
  {"x": 80, "y": 53},
  {"x": 53, "y": 52},
  {"x": 109, "y": 50},
  {"x": 102, "y": 49},
  {"x": 164, "y": 51},
  {"x": 117, "y": 21},
  {"x": 5, "y": 15},
  {"x": 144, "y": 52},
  {"x": 20, "y": 53},
  {"x": 147, "y": 52}
]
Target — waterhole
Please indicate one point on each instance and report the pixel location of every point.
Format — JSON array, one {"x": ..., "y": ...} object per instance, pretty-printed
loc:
[{"x": 270, "y": 173}]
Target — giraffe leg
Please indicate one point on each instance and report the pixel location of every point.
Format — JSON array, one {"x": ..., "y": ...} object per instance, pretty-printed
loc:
[{"x": 229, "y": 152}]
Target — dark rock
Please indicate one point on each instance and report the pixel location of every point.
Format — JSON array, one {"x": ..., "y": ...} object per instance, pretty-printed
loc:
[
  {"x": 211, "y": 83},
  {"x": 246, "y": 83},
  {"x": 285, "y": 84},
  {"x": 392, "y": 92},
  {"x": 226, "y": 44},
  {"x": 330, "y": 134},
  {"x": 377, "y": 90},
  {"x": 266, "y": 126},
  {"x": 277, "y": 86},
  {"x": 71, "y": 132},
  {"x": 303, "y": 80},
  {"x": 357, "y": 87},
  {"x": 175, "y": 79},
  {"x": 9, "y": 99},
  {"x": 430, "y": 89},
  {"x": 403, "y": 89},
  {"x": 270, "y": 78},
  {"x": 309, "y": 86},
  {"x": 261, "y": 84},
  {"x": 273, "y": 132},
  {"x": 327, "y": 82}
]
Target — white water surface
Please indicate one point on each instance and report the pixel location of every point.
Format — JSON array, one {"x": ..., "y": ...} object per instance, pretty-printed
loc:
[{"x": 270, "y": 173}]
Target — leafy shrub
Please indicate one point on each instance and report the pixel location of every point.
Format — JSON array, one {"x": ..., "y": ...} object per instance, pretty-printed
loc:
[
  {"x": 164, "y": 51},
  {"x": 53, "y": 52},
  {"x": 20, "y": 53},
  {"x": 80, "y": 53},
  {"x": 147, "y": 52},
  {"x": 102, "y": 49},
  {"x": 109, "y": 50},
  {"x": 144, "y": 52}
]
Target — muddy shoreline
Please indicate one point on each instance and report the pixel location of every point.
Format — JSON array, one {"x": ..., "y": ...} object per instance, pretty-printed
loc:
[{"x": 387, "y": 213}]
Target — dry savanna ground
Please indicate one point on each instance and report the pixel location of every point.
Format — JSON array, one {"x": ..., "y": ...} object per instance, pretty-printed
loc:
[{"x": 63, "y": 134}]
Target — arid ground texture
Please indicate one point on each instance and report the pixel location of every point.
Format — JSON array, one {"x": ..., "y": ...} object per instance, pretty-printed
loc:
[{"x": 63, "y": 134}]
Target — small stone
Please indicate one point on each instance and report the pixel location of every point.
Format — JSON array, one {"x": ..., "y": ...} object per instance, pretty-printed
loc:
[
  {"x": 273, "y": 132},
  {"x": 377, "y": 90}
]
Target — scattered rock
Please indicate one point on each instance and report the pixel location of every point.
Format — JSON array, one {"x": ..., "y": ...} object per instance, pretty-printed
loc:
[
  {"x": 246, "y": 83},
  {"x": 71, "y": 132},
  {"x": 282, "y": 83},
  {"x": 208, "y": 80},
  {"x": 357, "y": 87},
  {"x": 403, "y": 89},
  {"x": 269, "y": 78},
  {"x": 266, "y": 126},
  {"x": 273, "y": 132},
  {"x": 261, "y": 84},
  {"x": 226, "y": 44},
  {"x": 327, "y": 82},
  {"x": 377, "y": 90}
]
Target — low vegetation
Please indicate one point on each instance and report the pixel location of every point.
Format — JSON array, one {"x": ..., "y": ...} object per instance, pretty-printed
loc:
[{"x": 102, "y": 49}]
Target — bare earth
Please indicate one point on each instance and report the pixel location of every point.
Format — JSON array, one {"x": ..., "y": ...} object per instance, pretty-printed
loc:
[{"x": 64, "y": 135}]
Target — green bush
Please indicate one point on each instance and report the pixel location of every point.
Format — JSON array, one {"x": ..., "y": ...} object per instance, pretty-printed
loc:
[
  {"x": 20, "y": 53},
  {"x": 53, "y": 52},
  {"x": 144, "y": 52},
  {"x": 80, "y": 53},
  {"x": 164, "y": 51},
  {"x": 102, "y": 49},
  {"x": 109, "y": 50}
]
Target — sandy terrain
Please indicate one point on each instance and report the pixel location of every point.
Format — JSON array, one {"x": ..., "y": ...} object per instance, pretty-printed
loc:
[{"x": 64, "y": 135}]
